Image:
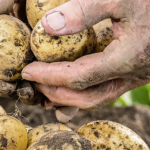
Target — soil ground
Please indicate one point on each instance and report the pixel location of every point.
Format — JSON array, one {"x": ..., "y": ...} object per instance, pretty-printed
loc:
[{"x": 136, "y": 117}]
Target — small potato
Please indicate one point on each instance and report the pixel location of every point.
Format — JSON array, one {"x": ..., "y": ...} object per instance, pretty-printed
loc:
[
  {"x": 39, "y": 131},
  {"x": 35, "y": 10},
  {"x": 15, "y": 52},
  {"x": 104, "y": 34},
  {"x": 27, "y": 94},
  {"x": 49, "y": 48},
  {"x": 61, "y": 140},
  {"x": 7, "y": 89},
  {"x": 108, "y": 135},
  {"x": 13, "y": 134}
]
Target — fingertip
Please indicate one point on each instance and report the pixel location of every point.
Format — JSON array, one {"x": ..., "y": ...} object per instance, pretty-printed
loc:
[
  {"x": 27, "y": 77},
  {"x": 63, "y": 20}
]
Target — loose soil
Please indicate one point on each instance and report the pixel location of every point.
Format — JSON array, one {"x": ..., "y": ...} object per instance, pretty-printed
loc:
[{"x": 136, "y": 117}]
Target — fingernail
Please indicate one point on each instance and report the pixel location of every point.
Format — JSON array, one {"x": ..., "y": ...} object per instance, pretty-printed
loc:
[
  {"x": 56, "y": 21},
  {"x": 27, "y": 76}
]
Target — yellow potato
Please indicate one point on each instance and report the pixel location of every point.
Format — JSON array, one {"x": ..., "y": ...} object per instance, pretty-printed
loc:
[
  {"x": 39, "y": 131},
  {"x": 35, "y": 10},
  {"x": 50, "y": 48},
  {"x": 104, "y": 34},
  {"x": 108, "y": 135},
  {"x": 13, "y": 135},
  {"x": 15, "y": 51},
  {"x": 61, "y": 140}
]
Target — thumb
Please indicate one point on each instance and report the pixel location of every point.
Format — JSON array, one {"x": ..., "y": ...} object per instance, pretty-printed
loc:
[{"x": 77, "y": 15}]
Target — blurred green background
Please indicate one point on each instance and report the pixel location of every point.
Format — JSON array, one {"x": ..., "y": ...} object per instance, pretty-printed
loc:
[{"x": 139, "y": 95}]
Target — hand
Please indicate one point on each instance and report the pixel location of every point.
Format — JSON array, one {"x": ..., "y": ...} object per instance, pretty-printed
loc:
[
  {"x": 19, "y": 10},
  {"x": 95, "y": 80}
]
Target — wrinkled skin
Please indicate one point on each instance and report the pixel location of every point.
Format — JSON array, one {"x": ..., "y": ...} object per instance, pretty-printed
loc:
[{"x": 95, "y": 80}]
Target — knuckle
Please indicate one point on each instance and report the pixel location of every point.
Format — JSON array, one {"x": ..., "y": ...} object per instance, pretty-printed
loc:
[{"x": 77, "y": 83}]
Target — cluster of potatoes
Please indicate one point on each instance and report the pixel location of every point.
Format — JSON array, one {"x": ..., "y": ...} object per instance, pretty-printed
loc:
[
  {"x": 18, "y": 47},
  {"x": 97, "y": 135}
]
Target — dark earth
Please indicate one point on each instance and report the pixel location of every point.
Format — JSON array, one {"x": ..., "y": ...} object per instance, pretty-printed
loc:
[{"x": 136, "y": 117}]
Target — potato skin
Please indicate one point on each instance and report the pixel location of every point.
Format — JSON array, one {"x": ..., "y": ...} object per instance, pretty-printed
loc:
[
  {"x": 35, "y": 10},
  {"x": 13, "y": 135},
  {"x": 15, "y": 51},
  {"x": 37, "y": 132},
  {"x": 108, "y": 135},
  {"x": 61, "y": 140},
  {"x": 27, "y": 94},
  {"x": 49, "y": 48},
  {"x": 104, "y": 34}
]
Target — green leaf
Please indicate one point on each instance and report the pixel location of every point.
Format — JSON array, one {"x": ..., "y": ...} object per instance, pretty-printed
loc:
[{"x": 141, "y": 95}]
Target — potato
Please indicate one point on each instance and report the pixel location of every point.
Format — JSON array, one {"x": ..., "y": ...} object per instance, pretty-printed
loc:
[
  {"x": 6, "y": 6},
  {"x": 7, "y": 89},
  {"x": 39, "y": 131},
  {"x": 28, "y": 128},
  {"x": 61, "y": 140},
  {"x": 27, "y": 94},
  {"x": 15, "y": 51},
  {"x": 35, "y": 10},
  {"x": 50, "y": 48},
  {"x": 104, "y": 34},
  {"x": 108, "y": 135},
  {"x": 13, "y": 135}
]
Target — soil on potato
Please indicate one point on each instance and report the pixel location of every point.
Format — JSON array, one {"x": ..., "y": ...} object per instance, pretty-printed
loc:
[{"x": 136, "y": 117}]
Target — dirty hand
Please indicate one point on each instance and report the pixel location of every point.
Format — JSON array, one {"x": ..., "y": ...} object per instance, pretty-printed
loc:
[
  {"x": 19, "y": 10},
  {"x": 97, "y": 79}
]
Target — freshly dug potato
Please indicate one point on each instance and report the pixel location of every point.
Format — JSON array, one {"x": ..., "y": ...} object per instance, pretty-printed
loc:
[
  {"x": 39, "y": 131},
  {"x": 108, "y": 135},
  {"x": 6, "y": 6},
  {"x": 13, "y": 135},
  {"x": 104, "y": 34},
  {"x": 27, "y": 94},
  {"x": 61, "y": 140},
  {"x": 7, "y": 89},
  {"x": 50, "y": 48},
  {"x": 15, "y": 51},
  {"x": 35, "y": 10}
]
